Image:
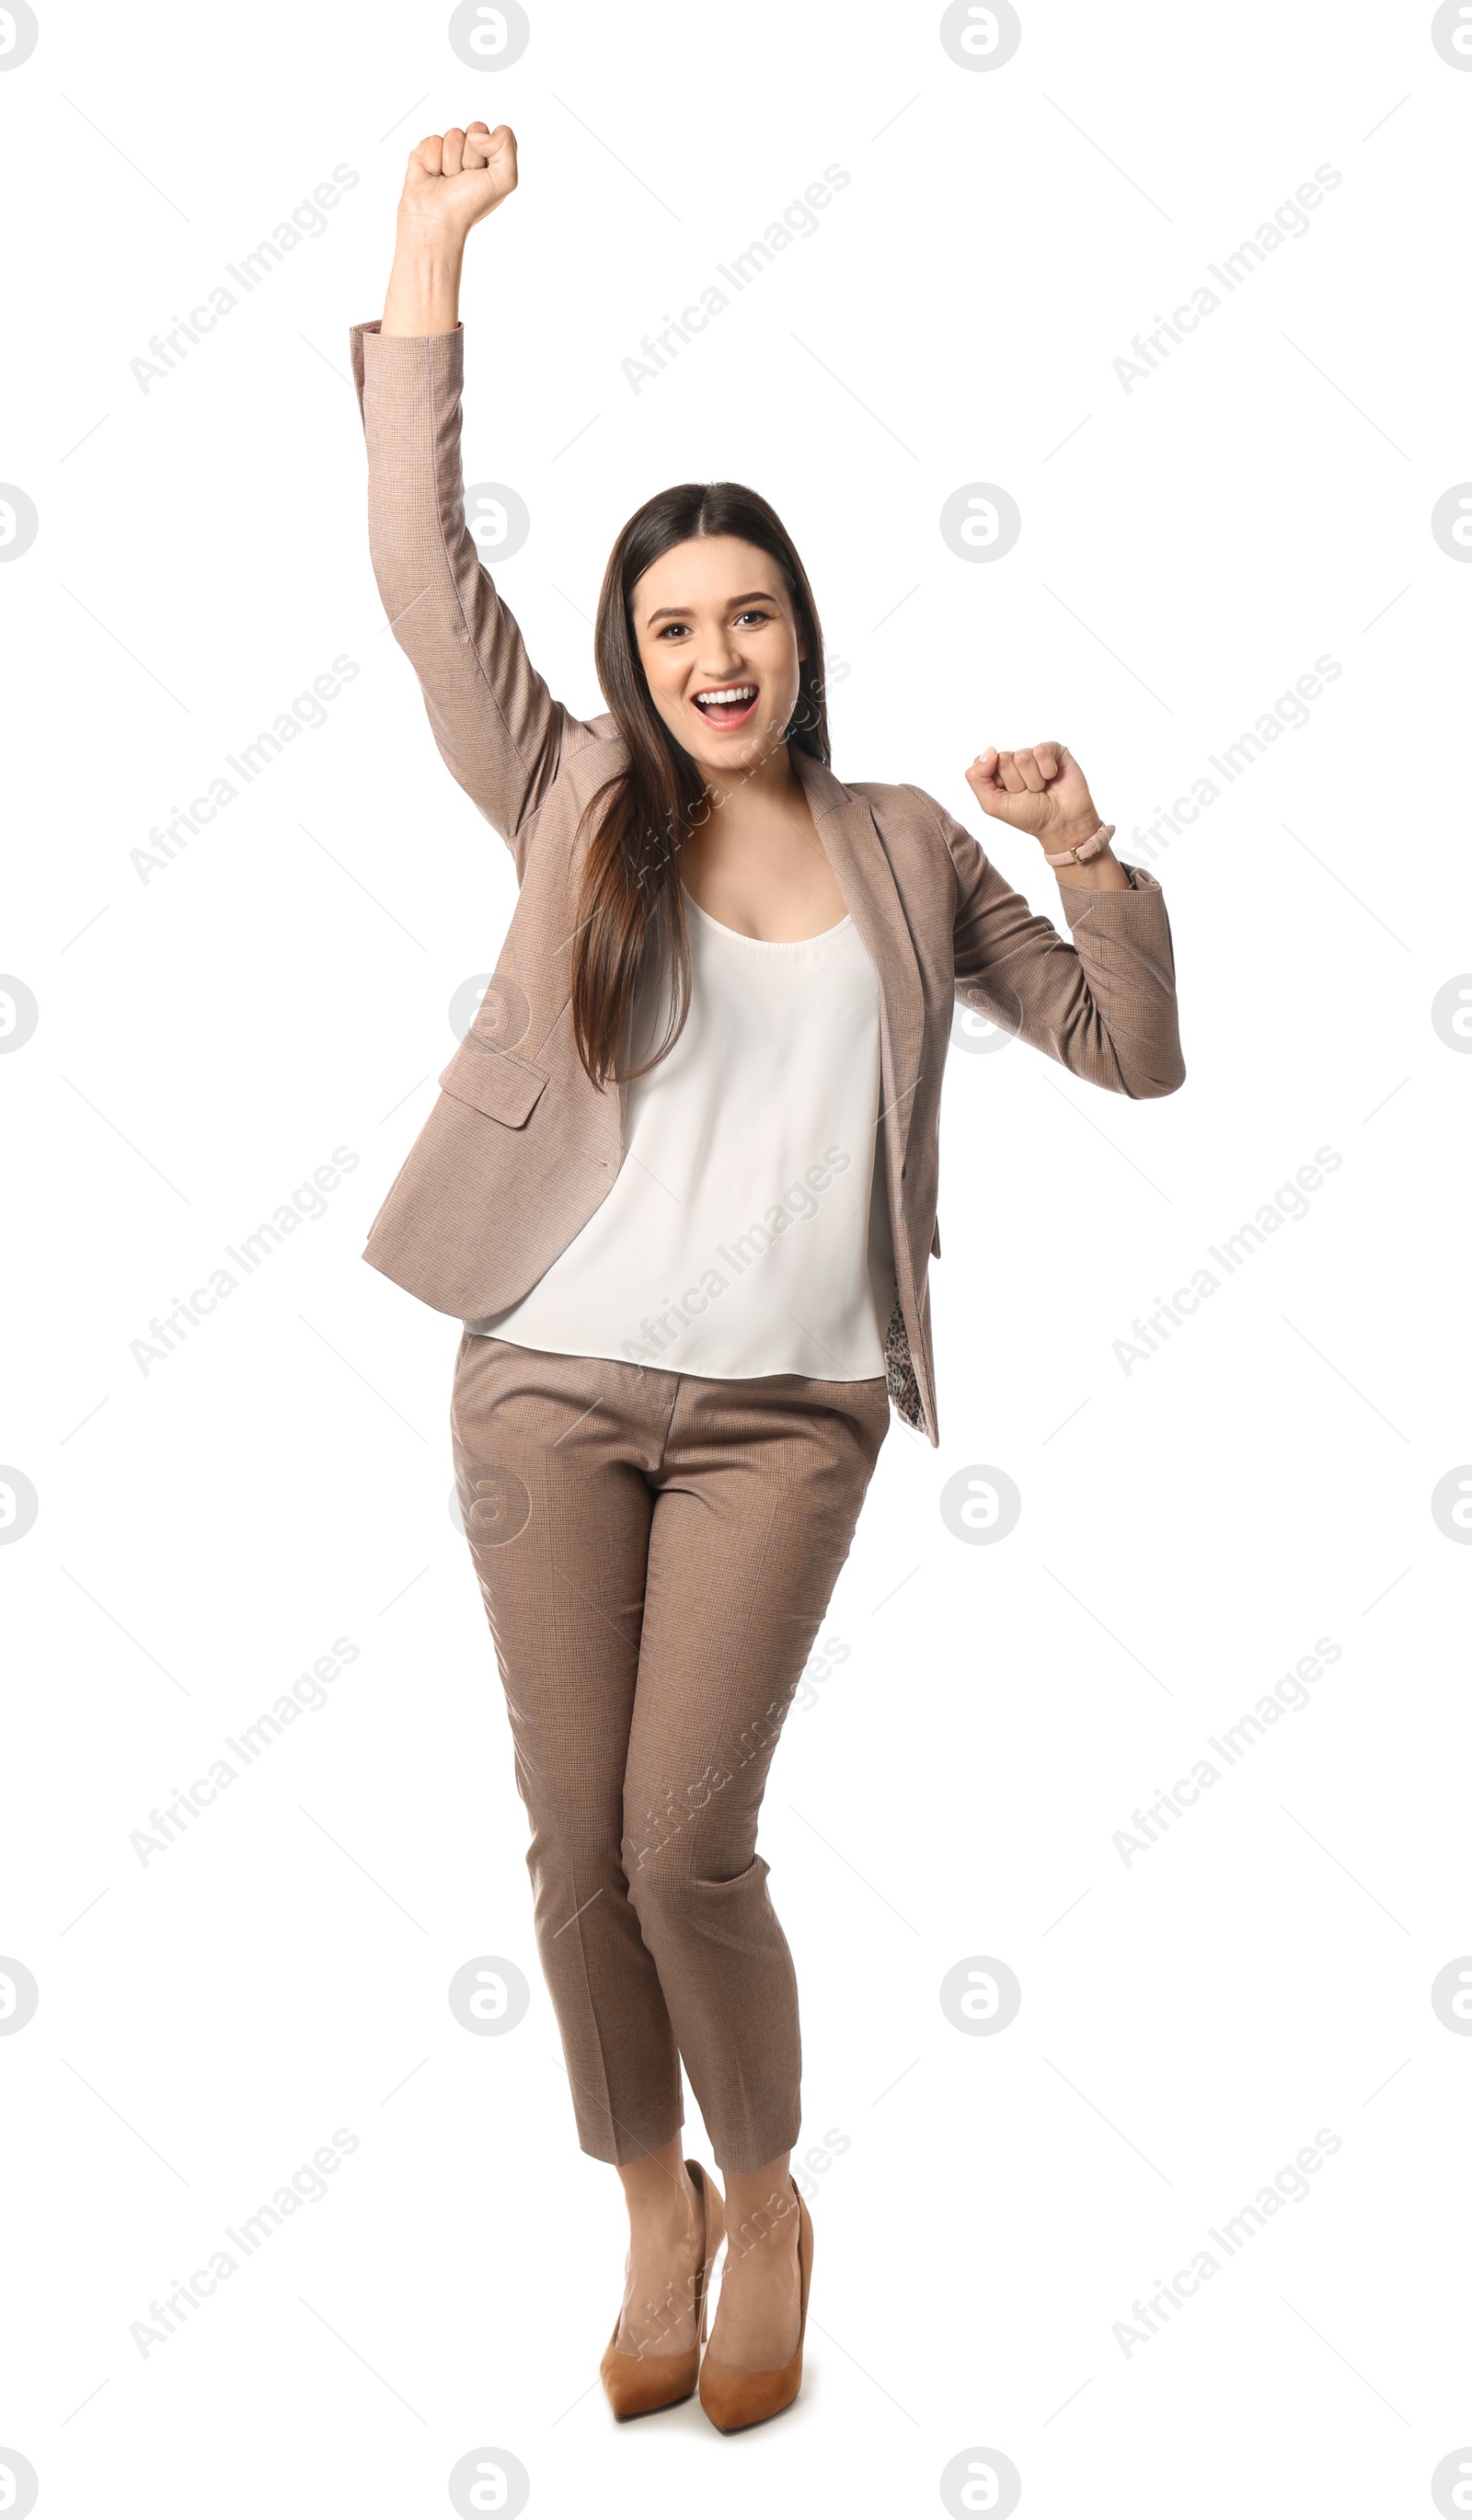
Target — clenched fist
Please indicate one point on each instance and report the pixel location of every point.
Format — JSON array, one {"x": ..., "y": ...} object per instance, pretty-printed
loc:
[
  {"x": 1039, "y": 790},
  {"x": 1042, "y": 790},
  {"x": 454, "y": 180}
]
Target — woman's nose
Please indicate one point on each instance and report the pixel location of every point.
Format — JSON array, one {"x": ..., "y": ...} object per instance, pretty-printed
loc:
[{"x": 718, "y": 653}]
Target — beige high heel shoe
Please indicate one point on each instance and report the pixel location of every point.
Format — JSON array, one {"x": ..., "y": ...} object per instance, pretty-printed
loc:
[
  {"x": 734, "y": 2399},
  {"x": 640, "y": 2384}
]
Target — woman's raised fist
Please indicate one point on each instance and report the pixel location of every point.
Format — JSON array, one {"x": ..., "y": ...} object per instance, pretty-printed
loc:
[{"x": 454, "y": 179}]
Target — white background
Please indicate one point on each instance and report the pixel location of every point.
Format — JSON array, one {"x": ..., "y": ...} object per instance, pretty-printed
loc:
[{"x": 1189, "y": 1528}]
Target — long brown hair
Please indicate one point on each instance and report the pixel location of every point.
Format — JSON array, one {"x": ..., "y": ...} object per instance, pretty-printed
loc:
[{"x": 631, "y": 913}]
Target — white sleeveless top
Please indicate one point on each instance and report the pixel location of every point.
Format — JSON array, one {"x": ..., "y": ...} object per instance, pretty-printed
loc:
[{"x": 747, "y": 1228}]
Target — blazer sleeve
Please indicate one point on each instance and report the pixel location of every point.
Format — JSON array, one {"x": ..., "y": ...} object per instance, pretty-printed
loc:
[
  {"x": 1100, "y": 1001},
  {"x": 495, "y": 722}
]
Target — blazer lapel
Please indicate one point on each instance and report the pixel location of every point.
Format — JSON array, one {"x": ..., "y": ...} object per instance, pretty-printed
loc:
[{"x": 864, "y": 874}]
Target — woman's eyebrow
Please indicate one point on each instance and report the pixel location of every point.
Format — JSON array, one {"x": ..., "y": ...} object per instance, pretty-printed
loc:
[{"x": 668, "y": 612}]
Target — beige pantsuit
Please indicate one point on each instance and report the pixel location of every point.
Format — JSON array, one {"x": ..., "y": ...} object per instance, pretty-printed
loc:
[{"x": 656, "y": 1551}]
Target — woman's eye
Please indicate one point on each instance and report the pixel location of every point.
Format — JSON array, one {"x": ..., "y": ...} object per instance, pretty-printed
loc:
[{"x": 676, "y": 630}]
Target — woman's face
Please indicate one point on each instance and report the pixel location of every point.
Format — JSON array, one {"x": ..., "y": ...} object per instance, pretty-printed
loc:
[{"x": 713, "y": 618}]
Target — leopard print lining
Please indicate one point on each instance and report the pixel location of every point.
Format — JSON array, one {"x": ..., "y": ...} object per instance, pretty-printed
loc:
[{"x": 900, "y": 1372}]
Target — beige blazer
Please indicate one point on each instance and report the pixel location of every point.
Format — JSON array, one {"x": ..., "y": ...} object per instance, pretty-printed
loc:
[{"x": 520, "y": 1149}]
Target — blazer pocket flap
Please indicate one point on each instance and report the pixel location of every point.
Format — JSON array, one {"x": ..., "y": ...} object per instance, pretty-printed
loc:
[{"x": 492, "y": 1081}]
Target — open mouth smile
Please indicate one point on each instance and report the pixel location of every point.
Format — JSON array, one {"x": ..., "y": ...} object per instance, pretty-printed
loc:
[{"x": 726, "y": 704}]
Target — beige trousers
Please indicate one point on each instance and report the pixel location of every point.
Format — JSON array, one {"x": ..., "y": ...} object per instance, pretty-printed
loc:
[{"x": 656, "y": 1554}]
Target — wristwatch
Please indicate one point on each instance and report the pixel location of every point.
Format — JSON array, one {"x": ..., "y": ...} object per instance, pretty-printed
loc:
[{"x": 1082, "y": 850}]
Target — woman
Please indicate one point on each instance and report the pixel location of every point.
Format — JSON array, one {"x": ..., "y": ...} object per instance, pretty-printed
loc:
[{"x": 679, "y": 1188}]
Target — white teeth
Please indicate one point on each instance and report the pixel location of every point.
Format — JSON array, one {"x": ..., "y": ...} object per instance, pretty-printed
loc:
[{"x": 741, "y": 692}]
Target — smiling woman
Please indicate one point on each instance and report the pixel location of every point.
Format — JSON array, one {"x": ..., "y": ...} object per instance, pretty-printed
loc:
[
  {"x": 710, "y": 659},
  {"x": 679, "y": 1189}
]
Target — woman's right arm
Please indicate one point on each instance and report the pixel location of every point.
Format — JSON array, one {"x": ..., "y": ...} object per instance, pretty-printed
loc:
[{"x": 493, "y": 716}]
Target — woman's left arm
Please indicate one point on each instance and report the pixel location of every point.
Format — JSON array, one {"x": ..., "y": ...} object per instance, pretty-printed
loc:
[{"x": 1101, "y": 1001}]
